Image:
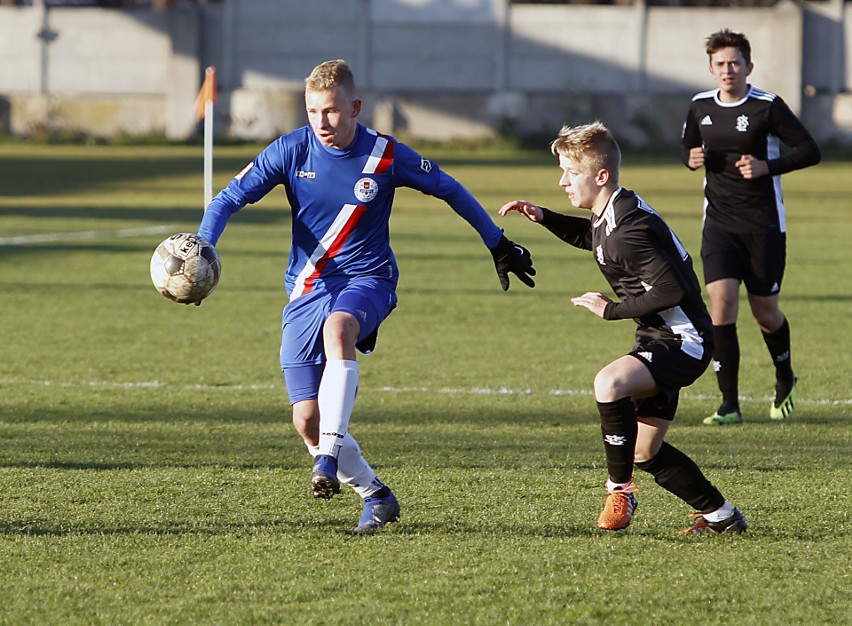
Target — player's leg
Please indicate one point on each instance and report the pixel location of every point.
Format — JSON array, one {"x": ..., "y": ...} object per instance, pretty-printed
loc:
[
  {"x": 302, "y": 362},
  {"x": 339, "y": 385},
  {"x": 673, "y": 470},
  {"x": 678, "y": 474},
  {"x": 615, "y": 387},
  {"x": 722, "y": 256},
  {"x": 764, "y": 284},
  {"x": 355, "y": 314},
  {"x": 353, "y": 323},
  {"x": 303, "y": 387},
  {"x": 724, "y": 304},
  {"x": 352, "y": 469}
]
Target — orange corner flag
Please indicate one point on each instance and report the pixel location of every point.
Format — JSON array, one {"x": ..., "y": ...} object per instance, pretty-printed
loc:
[{"x": 207, "y": 93}]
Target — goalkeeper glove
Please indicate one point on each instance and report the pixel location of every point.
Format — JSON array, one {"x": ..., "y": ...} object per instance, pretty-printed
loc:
[{"x": 511, "y": 257}]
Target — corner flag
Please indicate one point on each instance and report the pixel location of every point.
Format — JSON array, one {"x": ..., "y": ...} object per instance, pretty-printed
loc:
[{"x": 207, "y": 93}]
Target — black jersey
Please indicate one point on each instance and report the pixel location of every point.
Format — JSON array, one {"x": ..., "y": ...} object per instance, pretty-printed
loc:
[
  {"x": 646, "y": 266},
  {"x": 757, "y": 125}
]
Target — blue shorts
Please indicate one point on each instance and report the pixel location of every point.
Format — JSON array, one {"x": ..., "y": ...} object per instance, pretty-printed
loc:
[{"x": 369, "y": 299}]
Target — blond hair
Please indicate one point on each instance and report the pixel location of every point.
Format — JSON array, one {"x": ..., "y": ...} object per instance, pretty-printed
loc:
[
  {"x": 590, "y": 145},
  {"x": 330, "y": 74}
]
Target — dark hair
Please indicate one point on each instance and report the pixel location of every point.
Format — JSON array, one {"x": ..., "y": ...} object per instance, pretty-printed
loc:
[{"x": 727, "y": 38}]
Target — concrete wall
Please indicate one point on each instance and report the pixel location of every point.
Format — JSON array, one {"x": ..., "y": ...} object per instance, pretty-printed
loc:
[{"x": 426, "y": 68}]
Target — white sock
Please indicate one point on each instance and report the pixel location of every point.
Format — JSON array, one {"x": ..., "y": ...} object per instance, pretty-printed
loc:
[
  {"x": 720, "y": 514},
  {"x": 337, "y": 391},
  {"x": 610, "y": 486},
  {"x": 352, "y": 467}
]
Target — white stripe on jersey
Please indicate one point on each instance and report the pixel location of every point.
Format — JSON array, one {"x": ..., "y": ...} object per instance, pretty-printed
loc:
[
  {"x": 773, "y": 151},
  {"x": 692, "y": 344},
  {"x": 705, "y": 94},
  {"x": 682, "y": 326},
  {"x": 376, "y": 155},
  {"x": 319, "y": 252},
  {"x": 372, "y": 165},
  {"x": 677, "y": 244},
  {"x": 760, "y": 94}
]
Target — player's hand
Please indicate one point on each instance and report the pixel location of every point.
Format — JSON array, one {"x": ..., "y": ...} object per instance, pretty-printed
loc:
[
  {"x": 511, "y": 257},
  {"x": 528, "y": 210},
  {"x": 592, "y": 300},
  {"x": 696, "y": 158},
  {"x": 751, "y": 167}
]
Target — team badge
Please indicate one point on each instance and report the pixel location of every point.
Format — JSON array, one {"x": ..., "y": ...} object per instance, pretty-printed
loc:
[
  {"x": 366, "y": 189},
  {"x": 742, "y": 123},
  {"x": 425, "y": 165}
]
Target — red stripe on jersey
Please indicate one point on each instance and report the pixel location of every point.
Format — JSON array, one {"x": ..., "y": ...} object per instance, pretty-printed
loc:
[
  {"x": 386, "y": 159},
  {"x": 335, "y": 247}
]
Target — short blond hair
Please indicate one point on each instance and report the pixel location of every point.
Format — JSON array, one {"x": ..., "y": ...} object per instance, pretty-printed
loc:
[
  {"x": 590, "y": 145},
  {"x": 330, "y": 74}
]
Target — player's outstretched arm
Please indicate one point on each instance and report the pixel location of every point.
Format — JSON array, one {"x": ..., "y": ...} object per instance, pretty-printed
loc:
[
  {"x": 512, "y": 257},
  {"x": 527, "y": 209}
]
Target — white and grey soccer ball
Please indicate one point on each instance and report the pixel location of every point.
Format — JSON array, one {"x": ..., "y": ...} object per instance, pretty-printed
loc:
[{"x": 185, "y": 268}]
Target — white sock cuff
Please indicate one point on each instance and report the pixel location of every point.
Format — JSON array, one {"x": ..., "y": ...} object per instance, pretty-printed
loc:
[
  {"x": 720, "y": 514},
  {"x": 337, "y": 392}
]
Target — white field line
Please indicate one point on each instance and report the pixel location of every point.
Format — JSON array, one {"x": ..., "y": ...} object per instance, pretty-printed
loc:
[
  {"x": 457, "y": 391},
  {"x": 24, "y": 240}
]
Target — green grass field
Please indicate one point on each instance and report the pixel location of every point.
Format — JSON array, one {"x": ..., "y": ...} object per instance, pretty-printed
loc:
[{"x": 149, "y": 473}]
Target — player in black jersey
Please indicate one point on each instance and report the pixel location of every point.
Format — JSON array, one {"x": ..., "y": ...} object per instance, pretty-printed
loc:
[
  {"x": 652, "y": 275},
  {"x": 735, "y": 132}
]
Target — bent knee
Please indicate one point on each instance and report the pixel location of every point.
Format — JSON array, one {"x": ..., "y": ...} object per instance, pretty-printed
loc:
[
  {"x": 608, "y": 386},
  {"x": 306, "y": 421}
]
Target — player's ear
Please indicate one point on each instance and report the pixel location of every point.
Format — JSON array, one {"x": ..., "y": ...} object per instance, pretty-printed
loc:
[
  {"x": 356, "y": 107},
  {"x": 602, "y": 177}
]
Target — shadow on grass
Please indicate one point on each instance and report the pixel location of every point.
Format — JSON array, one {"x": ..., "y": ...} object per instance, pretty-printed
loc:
[{"x": 36, "y": 529}]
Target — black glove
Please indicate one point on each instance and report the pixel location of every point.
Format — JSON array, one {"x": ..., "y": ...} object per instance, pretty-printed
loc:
[{"x": 511, "y": 257}]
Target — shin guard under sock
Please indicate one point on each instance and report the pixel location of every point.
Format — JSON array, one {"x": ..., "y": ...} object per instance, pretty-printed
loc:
[
  {"x": 726, "y": 363},
  {"x": 618, "y": 427},
  {"x": 778, "y": 344},
  {"x": 677, "y": 473}
]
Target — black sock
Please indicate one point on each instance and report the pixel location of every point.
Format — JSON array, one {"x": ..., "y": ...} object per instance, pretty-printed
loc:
[
  {"x": 779, "y": 348},
  {"x": 618, "y": 427},
  {"x": 726, "y": 362},
  {"x": 678, "y": 474}
]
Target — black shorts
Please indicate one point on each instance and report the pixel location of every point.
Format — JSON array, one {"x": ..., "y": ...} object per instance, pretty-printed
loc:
[
  {"x": 672, "y": 369},
  {"x": 756, "y": 259}
]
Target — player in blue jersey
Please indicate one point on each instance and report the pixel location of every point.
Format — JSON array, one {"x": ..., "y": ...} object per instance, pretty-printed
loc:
[
  {"x": 340, "y": 178},
  {"x": 735, "y": 133}
]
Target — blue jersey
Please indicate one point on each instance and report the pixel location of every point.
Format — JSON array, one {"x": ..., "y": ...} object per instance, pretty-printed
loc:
[{"x": 341, "y": 204}]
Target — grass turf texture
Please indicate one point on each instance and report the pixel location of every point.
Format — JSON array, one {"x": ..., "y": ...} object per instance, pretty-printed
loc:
[{"x": 149, "y": 474}]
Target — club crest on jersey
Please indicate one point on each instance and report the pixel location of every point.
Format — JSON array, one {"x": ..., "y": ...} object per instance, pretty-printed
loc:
[
  {"x": 366, "y": 189},
  {"x": 599, "y": 255},
  {"x": 425, "y": 165},
  {"x": 742, "y": 123}
]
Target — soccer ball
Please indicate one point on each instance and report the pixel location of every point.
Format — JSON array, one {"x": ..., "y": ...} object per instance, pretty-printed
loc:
[{"x": 185, "y": 268}]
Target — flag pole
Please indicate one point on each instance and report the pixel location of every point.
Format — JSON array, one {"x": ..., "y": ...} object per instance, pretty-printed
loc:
[
  {"x": 208, "y": 153},
  {"x": 204, "y": 110}
]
